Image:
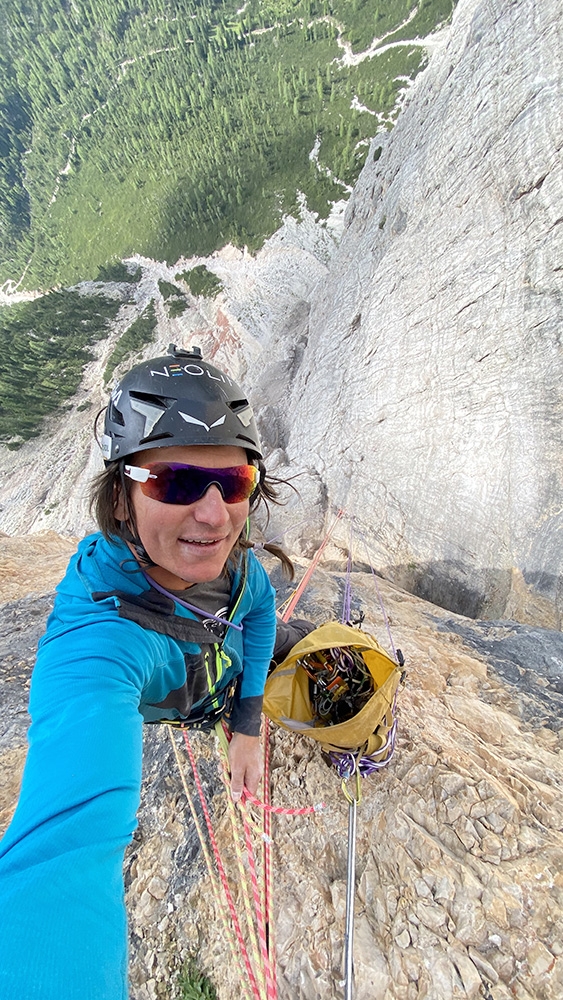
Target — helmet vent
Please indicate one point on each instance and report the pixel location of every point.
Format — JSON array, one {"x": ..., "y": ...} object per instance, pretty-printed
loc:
[
  {"x": 243, "y": 410},
  {"x": 248, "y": 440},
  {"x": 150, "y": 397},
  {"x": 115, "y": 415}
]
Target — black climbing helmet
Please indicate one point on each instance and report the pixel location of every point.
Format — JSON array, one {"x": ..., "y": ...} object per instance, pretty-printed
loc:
[{"x": 179, "y": 399}]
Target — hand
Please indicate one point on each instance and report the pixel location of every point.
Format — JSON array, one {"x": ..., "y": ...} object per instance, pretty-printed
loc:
[{"x": 245, "y": 762}]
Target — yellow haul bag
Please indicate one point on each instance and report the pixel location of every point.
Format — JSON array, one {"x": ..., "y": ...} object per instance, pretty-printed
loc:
[{"x": 287, "y": 701}]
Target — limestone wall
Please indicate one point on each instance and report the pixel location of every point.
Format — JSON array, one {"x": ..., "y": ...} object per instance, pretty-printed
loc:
[{"x": 428, "y": 400}]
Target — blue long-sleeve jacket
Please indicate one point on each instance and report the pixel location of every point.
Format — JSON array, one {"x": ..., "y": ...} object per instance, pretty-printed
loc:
[{"x": 101, "y": 666}]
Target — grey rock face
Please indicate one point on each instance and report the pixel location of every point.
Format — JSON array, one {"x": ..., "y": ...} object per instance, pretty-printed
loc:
[
  {"x": 530, "y": 660},
  {"x": 22, "y": 625},
  {"x": 459, "y": 888},
  {"x": 429, "y": 396}
]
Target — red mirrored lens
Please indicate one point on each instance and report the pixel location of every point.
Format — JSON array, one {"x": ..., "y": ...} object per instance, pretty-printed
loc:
[{"x": 184, "y": 484}]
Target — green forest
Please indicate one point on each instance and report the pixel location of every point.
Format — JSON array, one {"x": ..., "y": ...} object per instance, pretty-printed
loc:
[
  {"x": 171, "y": 127},
  {"x": 44, "y": 347}
]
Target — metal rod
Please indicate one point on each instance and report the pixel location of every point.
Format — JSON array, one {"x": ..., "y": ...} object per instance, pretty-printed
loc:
[{"x": 350, "y": 895}]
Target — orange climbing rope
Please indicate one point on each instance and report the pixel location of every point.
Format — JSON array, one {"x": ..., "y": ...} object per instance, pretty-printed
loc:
[{"x": 293, "y": 600}]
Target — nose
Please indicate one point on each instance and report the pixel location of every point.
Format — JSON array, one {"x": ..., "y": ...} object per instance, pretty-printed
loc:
[{"x": 211, "y": 507}]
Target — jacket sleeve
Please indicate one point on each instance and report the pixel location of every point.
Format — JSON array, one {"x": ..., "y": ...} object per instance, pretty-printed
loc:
[
  {"x": 62, "y": 914},
  {"x": 259, "y": 632}
]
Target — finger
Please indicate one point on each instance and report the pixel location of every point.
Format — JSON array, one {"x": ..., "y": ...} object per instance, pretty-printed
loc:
[
  {"x": 237, "y": 785},
  {"x": 245, "y": 764},
  {"x": 237, "y": 780},
  {"x": 252, "y": 779},
  {"x": 248, "y": 777}
]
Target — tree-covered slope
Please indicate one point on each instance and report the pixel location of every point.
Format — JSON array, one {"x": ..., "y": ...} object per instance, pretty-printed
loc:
[
  {"x": 44, "y": 347},
  {"x": 170, "y": 127}
]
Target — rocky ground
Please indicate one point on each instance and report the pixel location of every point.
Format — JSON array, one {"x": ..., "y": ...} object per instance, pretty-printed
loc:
[{"x": 460, "y": 843}]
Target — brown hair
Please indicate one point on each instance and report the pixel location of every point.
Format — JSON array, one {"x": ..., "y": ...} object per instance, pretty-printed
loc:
[{"x": 112, "y": 484}]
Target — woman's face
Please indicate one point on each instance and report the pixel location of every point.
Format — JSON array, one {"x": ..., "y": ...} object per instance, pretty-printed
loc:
[{"x": 189, "y": 544}]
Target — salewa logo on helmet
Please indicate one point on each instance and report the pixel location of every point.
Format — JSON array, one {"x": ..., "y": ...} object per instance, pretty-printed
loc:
[
  {"x": 201, "y": 423},
  {"x": 169, "y": 371}
]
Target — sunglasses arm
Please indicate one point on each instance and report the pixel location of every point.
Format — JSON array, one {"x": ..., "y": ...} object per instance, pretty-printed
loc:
[{"x": 137, "y": 474}]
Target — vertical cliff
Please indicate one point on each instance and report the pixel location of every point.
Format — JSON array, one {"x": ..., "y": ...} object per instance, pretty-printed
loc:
[
  {"x": 414, "y": 372},
  {"x": 428, "y": 400}
]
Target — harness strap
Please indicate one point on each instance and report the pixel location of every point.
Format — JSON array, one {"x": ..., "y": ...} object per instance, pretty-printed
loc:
[
  {"x": 155, "y": 611},
  {"x": 207, "y": 715}
]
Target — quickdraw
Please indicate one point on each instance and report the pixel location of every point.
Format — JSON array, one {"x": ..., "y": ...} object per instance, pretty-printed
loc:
[{"x": 339, "y": 684}]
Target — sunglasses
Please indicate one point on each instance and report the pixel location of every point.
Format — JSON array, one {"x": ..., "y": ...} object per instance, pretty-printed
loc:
[{"x": 171, "y": 482}]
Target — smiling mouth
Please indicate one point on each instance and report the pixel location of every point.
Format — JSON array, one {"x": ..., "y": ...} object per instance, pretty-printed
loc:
[{"x": 201, "y": 541}]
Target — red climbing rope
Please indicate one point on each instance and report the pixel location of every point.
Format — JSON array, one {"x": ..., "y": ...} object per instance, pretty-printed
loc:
[
  {"x": 222, "y": 873},
  {"x": 281, "y": 810},
  {"x": 314, "y": 563},
  {"x": 259, "y": 970}
]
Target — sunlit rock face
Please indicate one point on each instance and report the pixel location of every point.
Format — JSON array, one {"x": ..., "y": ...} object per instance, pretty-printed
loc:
[
  {"x": 459, "y": 891},
  {"x": 428, "y": 398}
]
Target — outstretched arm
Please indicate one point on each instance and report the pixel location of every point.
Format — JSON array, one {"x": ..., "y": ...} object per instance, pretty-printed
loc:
[{"x": 62, "y": 915}]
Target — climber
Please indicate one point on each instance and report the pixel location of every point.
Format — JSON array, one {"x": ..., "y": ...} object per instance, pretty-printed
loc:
[{"x": 165, "y": 615}]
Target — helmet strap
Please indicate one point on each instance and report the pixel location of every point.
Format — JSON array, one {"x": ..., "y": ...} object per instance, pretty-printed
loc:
[{"x": 136, "y": 544}]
